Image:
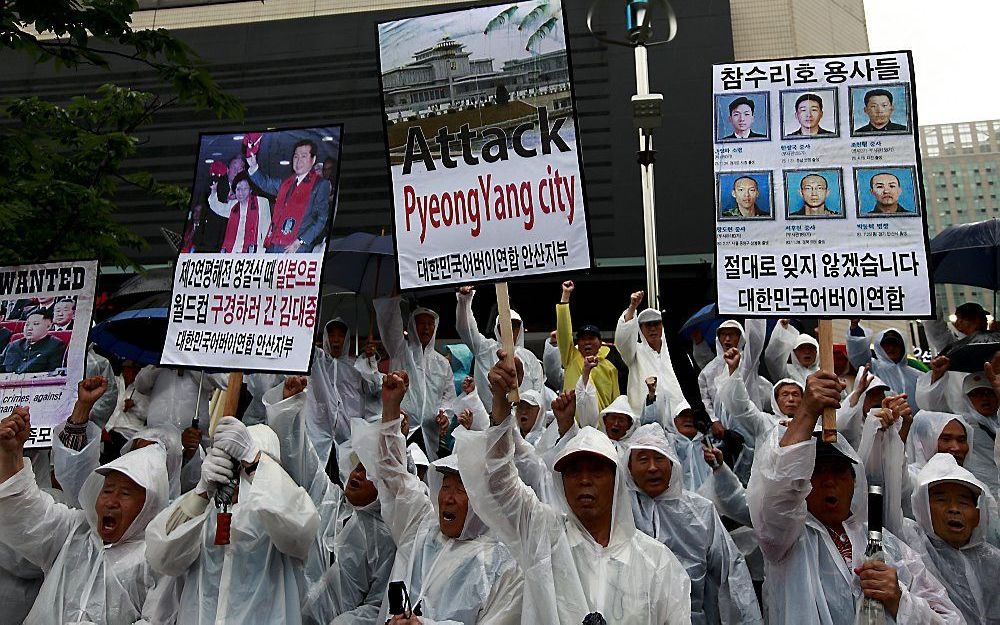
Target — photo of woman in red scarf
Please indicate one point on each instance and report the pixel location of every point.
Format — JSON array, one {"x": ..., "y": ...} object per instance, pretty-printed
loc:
[{"x": 249, "y": 217}]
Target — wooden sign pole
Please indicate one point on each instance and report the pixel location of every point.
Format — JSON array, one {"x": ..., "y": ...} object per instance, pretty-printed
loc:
[
  {"x": 826, "y": 364},
  {"x": 230, "y": 401},
  {"x": 506, "y": 331}
]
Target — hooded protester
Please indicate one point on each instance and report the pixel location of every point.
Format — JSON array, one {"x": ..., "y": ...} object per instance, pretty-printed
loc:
[
  {"x": 751, "y": 344},
  {"x": 581, "y": 554},
  {"x": 889, "y": 363},
  {"x": 131, "y": 407},
  {"x": 105, "y": 406},
  {"x": 552, "y": 363},
  {"x": 461, "y": 359},
  {"x": 790, "y": 354},
  {"x": 430, "y": 374},
  {"x": 253, "y": 580},
  {"x": 573, "y": 354},
  {"x": 485, "y": 349},
  {"x": 173, "y": 394},
  {"x": 347, "y": 570},
  {"x": 451, "y": 567},
  {"x": 952, "y": 509},
  {"x": 335, "y": 392},
  {"x": 642, "y": 345},
  {"x": 94, "y": 559},
  {"x": 970, "y": 319},
  {"x": 808, "y": 503},
  {"x": 531, "y": 417},
  {"x": 721, "y": 588},
  {"x": 868, "y": 394},
  {"x": 980, "y": 404}
]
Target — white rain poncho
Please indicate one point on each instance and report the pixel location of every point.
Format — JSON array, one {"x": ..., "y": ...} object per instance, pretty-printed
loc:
[
  {"x": 253, "y": 580},
  {"x": 552, "y": 365},
  {"x": 470, "y": 579},
  {"x": 170, "y": 439},
  {"x": 807, "y": 581},
  {"x": 715, "y": 373},
  {"x": 779, "y": 355},
  {"x": 431, "y": 384},
  {"x": 105, "y": 406},
  {"x": 257, "y": 385},
  {"x": 635, "y": 580},
  {"x": 884, "y": 458},
  {"x": 534, "y": 434},
  {"x": 347, "y": 570},
  {"x": 86, "y": 580},
  {"x": 173, "y": 394},
  {"x": 485, "y": 350},
  {"x": 644, "y": 362},
  {"x": 127, "y": 422},
  {"x": 971, "y": 573},
  {"x": 981, "y": 461},
  {"x": 334, "y": 397},
  {"x": 587, "y": 411},
  {"x": 20, "y": 581},
  {"x": 721, "y": 588},
  {"x": 851, "y": 418},
  {"x": 899, "y": 376},
  {"x": 688, "y": 450}
]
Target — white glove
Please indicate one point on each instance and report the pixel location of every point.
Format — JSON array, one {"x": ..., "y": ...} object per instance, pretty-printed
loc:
[
  {"x": 216, "y": 470},
  {"x": 232, "y": 437}
]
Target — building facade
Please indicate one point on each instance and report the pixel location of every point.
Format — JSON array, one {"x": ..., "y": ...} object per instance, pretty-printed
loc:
[{"x": 764, "y": 29}]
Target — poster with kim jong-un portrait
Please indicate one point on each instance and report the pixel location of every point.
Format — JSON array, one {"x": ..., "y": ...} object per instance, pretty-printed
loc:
[
  {"x": 246, "y": 282},
  {"x": 483, "y": 145}
]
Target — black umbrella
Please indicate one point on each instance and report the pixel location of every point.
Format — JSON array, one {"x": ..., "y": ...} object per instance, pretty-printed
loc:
[
  {"x": 362, "y": 263},
  {"x": 137, "y": 333},
  {"x": 968, "y": 254}
]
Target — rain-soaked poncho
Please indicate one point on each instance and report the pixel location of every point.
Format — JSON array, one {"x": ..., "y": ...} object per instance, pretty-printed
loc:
[
  {"x": 981, "y": 460},
  {"x": 173, "y": 394},
  {"x": 334, "y": 399},
  {"x": 347, "y": 570},
  {"x": 87, "y": 581},
  {"x": 635, "y": 580},
  {"x": 470, "y": 579},
  {"x": 721, "y": 588},
  {"x": 20, "y": 581},
  {"x": 807, "y": 580},
  {"x": 851, "y": 417},
  {"x": 644, "y": 362},
  {"x": 779, "y": 355},
  {"x": 587, "y": 412},
  {"x": 970, "y": 573},
  {"x": 127, "y": 422},
  {"x": 253, "y": 580},
  {"x": 105, "y": 406},
  {"x": 431, "y": 384},
  {"x": 716, "y": 372},
  {"x": 485, "y": 350},
  {"x": 688, "y": 450},
  {"x": 899, "y": 376},
  {"x": 461, "y": 363},
  {"x": 552, "y": 365},
  {"x": 257, "y": 385}
]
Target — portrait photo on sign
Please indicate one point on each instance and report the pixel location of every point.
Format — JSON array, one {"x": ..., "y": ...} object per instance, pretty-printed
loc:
[
  {"x": 880, "y": 110},
  {"x": 814, "y": 194},
  {"x": 259, "y": 192},
  {"x": 742, "y": 117},
  {"x": 745, "y": 196},
  {"x": 34, "y": 337},
  {"x": 809, "y": 114},
  {"x": 888, "y": 191}
]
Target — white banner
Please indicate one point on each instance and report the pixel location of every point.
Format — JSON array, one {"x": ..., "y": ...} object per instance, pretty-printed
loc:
[
  {"x": 483, "y": 147},
  {"x": 819, "y": 197},
  {"x": 45, "y": 313},
  {"x": 252, "y": 312}
]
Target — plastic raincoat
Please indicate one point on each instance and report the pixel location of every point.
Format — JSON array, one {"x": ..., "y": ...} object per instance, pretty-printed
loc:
[
  {"x": 173, "y": 394},
  {"x": 87, "y": 581},
  {"x": 253, "y": 580},
  {"x": 688, "y": 450},
  {"x": 552, "y": 365},
  {"x": 20, "y": 581},
  {"x": 587, "y": 412},
  {"x": 899, "y": 376},
  {"x": 971, "y": 573},
  {"x": 717, "y": 371},
  {"x": 643, "y": 362},
  {"x": 105, "y": 406},
  {"x": 779, "y": 355},
  {"x": 635, "y": 580},
  {"x": 721, "y": 588},
  {"x": 431, "y": 384},
  {"x": 127, "y": 422},
  {"x": 470, "y": 579},
  {"x": 485, "y": 350},
  {"x": 981, "y": 460},
  {"x": 807, "y": 580},
  {"x": 851, "y": 418},
  {"x": 257, "y": 385}
]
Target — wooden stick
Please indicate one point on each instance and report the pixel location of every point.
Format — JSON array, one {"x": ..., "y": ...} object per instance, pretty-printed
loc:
[
  {"x": 231, "y": 401},
  {"x": 826, "y": 364},
  {"x": 506, "y": 331}
]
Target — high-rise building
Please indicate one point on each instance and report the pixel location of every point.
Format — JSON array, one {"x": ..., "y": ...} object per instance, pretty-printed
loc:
[
  {"x": 765, "y": 29},
  {"x": 960, "y": 163}
]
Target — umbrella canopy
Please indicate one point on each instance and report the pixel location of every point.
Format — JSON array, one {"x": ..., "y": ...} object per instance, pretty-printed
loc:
[
  {"x": 362, "y": 263},
  {"x": 137, "y": 333},
  {"x": 968, "y": 254}
]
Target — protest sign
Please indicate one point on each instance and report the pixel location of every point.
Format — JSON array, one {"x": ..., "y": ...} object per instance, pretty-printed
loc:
[
  {"x": 482, "y": 140},
  {"x": 819, "y": 197},
  {"x": 45, "y": 315},
  {"x": 247, "y": 280}
]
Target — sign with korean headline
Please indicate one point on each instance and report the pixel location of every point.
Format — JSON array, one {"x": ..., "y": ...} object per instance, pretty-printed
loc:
[
  {"x": 482, "y": 140},
  {"x": 45, "y": 315},
  {"x": 247, "y": 280},
  {"x": 819, "y": 198}
]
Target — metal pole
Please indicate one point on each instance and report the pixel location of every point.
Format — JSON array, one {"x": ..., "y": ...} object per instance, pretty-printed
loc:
[{"x": 648, "y": 201}]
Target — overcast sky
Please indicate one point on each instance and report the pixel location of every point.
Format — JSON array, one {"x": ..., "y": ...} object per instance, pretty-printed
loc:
[{"x": 955, "y": 48}]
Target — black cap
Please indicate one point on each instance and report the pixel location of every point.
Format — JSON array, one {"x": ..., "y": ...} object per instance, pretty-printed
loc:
[
  {"x": 830, "y": 451},
  {"x": 588, "y": 330},
  {"x": 970, "y": 309}
]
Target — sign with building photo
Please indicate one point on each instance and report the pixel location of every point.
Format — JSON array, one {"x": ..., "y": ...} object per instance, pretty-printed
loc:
[
  {"x": 482, "y": 141},
  {"x": 819, "y": 202},
  {"x": 45, "y": 315},
  {"x": 247, "y": 279}
]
